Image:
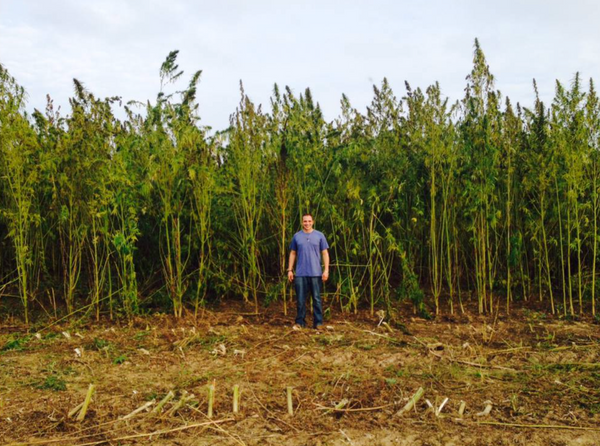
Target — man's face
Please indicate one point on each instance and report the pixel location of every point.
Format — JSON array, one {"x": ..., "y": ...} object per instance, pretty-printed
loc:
[{"x": 307, "y": 223}]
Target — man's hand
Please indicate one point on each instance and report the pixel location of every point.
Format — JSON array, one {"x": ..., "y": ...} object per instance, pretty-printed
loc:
[
  {"x": 291, "y": 265},
  {"x": 325, "y": 254}
]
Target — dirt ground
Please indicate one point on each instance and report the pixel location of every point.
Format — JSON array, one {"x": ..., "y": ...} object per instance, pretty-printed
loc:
[{"x": 540, "y": 375}]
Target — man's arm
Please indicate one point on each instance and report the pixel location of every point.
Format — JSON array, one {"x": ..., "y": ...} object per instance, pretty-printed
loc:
[
  {"x": 325, "y": 254},
  {"x": 291, "y": 261}
]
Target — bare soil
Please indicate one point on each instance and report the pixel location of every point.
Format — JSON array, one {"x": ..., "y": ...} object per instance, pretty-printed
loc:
[{"x": 541, "y": 375}]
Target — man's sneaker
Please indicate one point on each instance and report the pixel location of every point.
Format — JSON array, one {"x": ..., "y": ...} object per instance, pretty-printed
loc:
[
  {"x": 319, "y": 327},
  {"x": 296, "y": 327}
]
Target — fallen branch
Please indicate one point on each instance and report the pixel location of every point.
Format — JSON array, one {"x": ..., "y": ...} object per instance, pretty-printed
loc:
[
  {"x": 573, "y": 347},
  {"x": 460, "y": 361},
  {"x": 339, "y": 407},
  {"x": 511, "y": 350},
  {"x": 347, "y": 437},
  {"x": 274, "y": 338},
  {"x": 267, "y": 410},
  {"x": 474, "y": 364},
  {"x": 389, "y": 338},
  {"x": 76, "y": 435},
  {"x": 182, "y": 343},
  {"x": 150, "y": 434},
  {"x": 350, "y": 409},
  {"x": 235, "y": 438},
  {"x": 540, "y": 426},
  {"x": 579, "y": 365}
]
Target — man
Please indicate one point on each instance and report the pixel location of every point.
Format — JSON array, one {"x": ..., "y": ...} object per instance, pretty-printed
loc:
[{"x": 307, "y": 247}]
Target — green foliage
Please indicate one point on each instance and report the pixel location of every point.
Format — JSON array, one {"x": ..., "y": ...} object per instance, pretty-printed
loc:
[
  {"x": 141, "y": 335},
  {"x": 422, "y": 200},
  {"x": 120, "y": 359},
  {"x": 53, "y": 382},
  {"x": 15, "y": 343},
  {"x": 209, "y": 342},
  {"x": 100, "y": 344},
  {"x": 391, "y": 370},
  {"x": 273, "y": 293}
]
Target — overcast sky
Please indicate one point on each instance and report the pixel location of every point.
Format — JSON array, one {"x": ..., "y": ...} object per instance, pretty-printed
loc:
[{"x": 116, "y": 47}]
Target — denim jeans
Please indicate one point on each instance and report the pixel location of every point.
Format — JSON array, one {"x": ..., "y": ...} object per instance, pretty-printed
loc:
[{"x": 304, "y": 286}]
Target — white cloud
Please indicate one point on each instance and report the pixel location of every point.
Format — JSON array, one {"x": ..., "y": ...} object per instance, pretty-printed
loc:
[{"x": 333, "y": 47}]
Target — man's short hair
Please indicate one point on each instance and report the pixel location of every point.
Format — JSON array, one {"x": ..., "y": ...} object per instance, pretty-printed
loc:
[{"x": 308, "y": 214}]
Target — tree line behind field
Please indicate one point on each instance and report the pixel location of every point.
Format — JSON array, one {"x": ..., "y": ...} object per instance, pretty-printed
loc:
[{"x": 479, "y": 201}]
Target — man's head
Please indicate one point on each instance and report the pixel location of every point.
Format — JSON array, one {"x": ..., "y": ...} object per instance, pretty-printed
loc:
[{"x": 307, "y": 222}]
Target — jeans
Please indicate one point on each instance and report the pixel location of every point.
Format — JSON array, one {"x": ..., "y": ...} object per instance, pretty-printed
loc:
[{"x": 304, "y": 286}]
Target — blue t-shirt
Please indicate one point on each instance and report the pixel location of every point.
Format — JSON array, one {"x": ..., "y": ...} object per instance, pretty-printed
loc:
[{"x": 308, "y": 247}]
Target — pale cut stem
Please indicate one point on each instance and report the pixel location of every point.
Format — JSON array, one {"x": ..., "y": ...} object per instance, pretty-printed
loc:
[
  {"x": 461, "y": 409},
  {"x": 179, "y": 404},
  {"x": 86, "y": 403},
  {"x": 138, "y": 410},
  {"x": 439, "y": 409},
  {"x": 74, "y": 411},
  {"x": 165, "y": 400},
  {"x": 413, "y": 400},
  {"x": 290, "y": 406},
  {"x": 211, "y": 399},
  {"x": 486, "y": 411},
  {"x": 339, "y": 406},
  {"x": 236, "y": 398}
]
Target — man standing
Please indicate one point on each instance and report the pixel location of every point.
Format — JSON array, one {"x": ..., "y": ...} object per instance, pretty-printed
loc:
[{"x": 308, "y": 246}]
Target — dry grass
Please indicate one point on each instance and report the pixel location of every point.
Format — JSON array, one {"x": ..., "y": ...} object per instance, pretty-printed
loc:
[{"x": 542, "y": 377}]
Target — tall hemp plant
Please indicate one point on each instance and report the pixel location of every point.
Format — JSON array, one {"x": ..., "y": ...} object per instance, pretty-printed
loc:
[
  {"x": 166, "y": 132},
  {"x": 104, "y": 130},
  {"x": 280, "y": 207},
  {"x": 346, "y": 208},
  {"x": 538, "y": 189},
  {"x": 202, "y": 172},
  {"x": 387, "y": 151},
  {"x": 201, "y": 165},
  {"x": 569, "y": 141},
  {"x": 438, "y": 134},
  {"x": 511, "y": 139},
  {"x": 592, "y": 124},
  {"x": 77, "y": 173},
  {"x": 431, "y": 130},
  {"x": 127, "y": 189},
  {"x": 247, "y": 160},
  {"x": 308, "y": 158},
  {"x": 479, "y": 129},
  {"x": 21, "y": 176}
]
